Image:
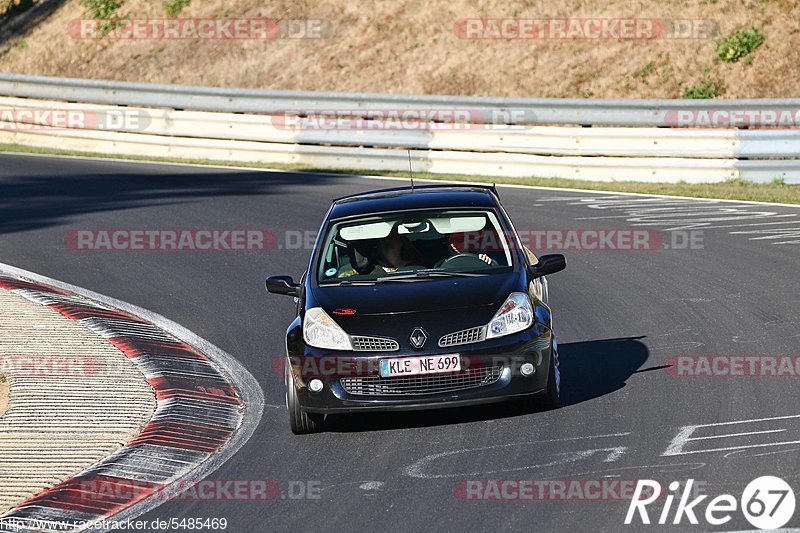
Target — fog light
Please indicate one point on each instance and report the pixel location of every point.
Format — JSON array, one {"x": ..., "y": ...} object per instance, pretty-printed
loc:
[
  {"x": 527, "y": 369},
  {"x": 315, "y": 385}
]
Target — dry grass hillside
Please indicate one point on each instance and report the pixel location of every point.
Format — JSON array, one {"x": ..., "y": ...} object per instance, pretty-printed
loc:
[{"x": 409, "y": 46}]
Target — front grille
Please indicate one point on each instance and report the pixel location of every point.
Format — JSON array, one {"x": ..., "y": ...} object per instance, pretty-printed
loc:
[
  {"x": 465, "y": 336},
  {"x": 374, "y": 344},
  {"x": 428, "y": 384}
]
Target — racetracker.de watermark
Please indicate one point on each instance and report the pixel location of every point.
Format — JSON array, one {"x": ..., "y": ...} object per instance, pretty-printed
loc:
[
  {"x": 209, "y": 29},
  {"x": 105, "y": 489},
  {"x": 590, "y": 28},
  {"x": 227, "y": 239},
  {"x": 399, "y": 119},
  {"x": 602, "y": 489},
  {"x": 44, "y": 118},
  {"x": 734, "y": 366},
  {"x": 40, "y": 366},
  {"x": 608, "y": 239},
  {"x": 767, "y": 118},
  {"x": 24, "y": 524},
  {"x": 170, "y": 240}
]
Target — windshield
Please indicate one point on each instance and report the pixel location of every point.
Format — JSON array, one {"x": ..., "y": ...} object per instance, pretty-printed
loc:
[{"x": 412, "y": 246}]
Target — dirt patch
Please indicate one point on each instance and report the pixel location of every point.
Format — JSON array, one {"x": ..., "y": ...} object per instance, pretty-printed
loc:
[
  {"x": 3, "y": 395},
  {"x": 414, "y": 46}
]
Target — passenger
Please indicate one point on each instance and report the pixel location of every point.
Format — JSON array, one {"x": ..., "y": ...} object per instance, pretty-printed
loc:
[{"x": 397, "y": 251}]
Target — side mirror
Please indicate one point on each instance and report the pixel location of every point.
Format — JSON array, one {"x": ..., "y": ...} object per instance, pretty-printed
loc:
[
  {"x": 283, "y": 285},
  {"x": 548, "y": 264}
]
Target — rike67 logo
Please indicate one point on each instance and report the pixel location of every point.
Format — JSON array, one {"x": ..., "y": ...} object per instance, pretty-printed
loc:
[{"x": 767, "y": 502}]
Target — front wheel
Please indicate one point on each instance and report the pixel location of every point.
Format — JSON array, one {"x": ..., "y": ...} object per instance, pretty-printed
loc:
[
  {"x": 550, "y": 398},
  {"x": 302, "y": 423}
]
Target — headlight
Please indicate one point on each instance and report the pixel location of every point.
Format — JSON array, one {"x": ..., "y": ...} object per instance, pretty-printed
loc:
[
  {"x": 515, "y": 315},
  {"x": 321, "y": 331}
]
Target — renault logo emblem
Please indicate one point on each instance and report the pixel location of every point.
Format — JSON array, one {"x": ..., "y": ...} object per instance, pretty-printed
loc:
[{"x": 418, "y": 338}]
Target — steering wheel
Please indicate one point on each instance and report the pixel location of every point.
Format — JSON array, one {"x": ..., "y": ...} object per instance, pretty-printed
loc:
[{"x": 465, "y": 258}]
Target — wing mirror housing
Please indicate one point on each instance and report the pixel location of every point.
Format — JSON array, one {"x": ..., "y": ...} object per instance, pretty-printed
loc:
[
  {"x": 548, "y": 264},
  {"x": 283, "y": 285}
]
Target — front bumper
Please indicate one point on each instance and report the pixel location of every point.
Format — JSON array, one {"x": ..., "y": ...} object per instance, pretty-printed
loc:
[{"x": 509, "y": 353}]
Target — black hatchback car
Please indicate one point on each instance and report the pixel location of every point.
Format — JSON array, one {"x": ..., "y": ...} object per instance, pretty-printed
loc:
[{"x": 416, "y": 298}]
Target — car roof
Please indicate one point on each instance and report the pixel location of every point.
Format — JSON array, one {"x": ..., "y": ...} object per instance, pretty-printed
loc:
[{"x": 418, "y": 197}]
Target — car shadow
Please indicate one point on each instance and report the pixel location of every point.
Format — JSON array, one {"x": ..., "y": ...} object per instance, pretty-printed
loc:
[
  {"x": 589, "y": 369},
  {"x": 592, "y": 369}
]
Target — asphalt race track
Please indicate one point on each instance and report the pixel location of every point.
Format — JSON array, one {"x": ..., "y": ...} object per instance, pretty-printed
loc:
[{"x": 620, "y": 315}]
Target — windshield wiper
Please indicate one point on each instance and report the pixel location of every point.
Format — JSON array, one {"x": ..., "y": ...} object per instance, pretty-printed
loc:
[
  {"x": 346, "y": 282},
  {"x": 428, "y": 274},
  {"x": 406, "y": 277},
  {"x": 432, "y": 273}
]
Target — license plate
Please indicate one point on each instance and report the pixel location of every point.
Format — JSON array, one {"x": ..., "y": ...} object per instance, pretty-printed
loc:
[{"x": 414, "y": 366}]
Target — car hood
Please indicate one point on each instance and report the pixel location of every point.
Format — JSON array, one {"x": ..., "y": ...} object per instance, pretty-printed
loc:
[{"x": 416, "y": 297}]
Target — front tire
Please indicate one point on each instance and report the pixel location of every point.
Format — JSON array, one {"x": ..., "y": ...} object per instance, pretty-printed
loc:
[
  {"x": 300, "y": 422},
  {"x": 550, "y": 398}
]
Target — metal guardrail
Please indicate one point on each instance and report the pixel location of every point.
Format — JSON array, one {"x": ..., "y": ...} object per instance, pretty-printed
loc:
[
  {"x": 541, "y": 140},
  {"x": 240, "y": 125},
  {"x": 498, "y": 110}
]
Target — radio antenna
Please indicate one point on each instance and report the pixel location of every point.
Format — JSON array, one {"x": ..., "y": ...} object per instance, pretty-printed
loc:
[{"x": 410, "y": 169}]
